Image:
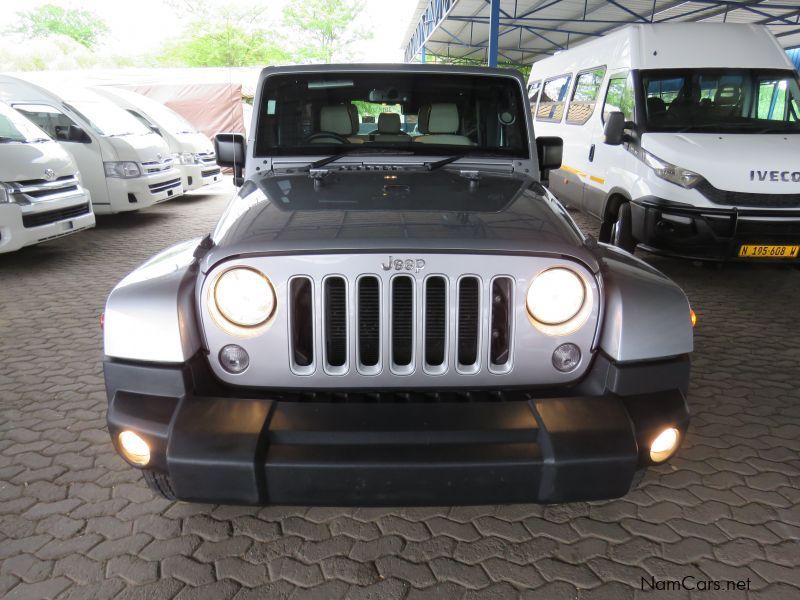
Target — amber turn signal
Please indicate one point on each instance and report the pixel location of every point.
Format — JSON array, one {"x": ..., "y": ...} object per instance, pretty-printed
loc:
[{"x": 694, "y": 317}]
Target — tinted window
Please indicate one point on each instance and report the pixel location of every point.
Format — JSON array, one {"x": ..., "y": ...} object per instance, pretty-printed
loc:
[
  {"x": 554, "y": 94},
  {"x": 619, "y": 97},
  {"x": 431, "y": 113},
  {"x": 722, "y": 100},
  {"x": 584, "y": 96}
]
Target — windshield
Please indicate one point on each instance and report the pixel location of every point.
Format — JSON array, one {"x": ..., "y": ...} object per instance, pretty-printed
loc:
[
  {"x": 16, "y": 128},
  {"x": 420, "y": 113},
  {"x": 164, "y": 117},
  {"x": 722, "y": 100},
  {"x": 108, "y": 119}
]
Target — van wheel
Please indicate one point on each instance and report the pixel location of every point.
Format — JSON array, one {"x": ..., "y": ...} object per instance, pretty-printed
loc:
[
  {"x": 622, "y": 230},
  {"x": 160, "y": 483}
]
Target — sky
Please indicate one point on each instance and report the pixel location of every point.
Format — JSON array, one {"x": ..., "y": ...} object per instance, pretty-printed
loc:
[{"x": 145, "y": 28}]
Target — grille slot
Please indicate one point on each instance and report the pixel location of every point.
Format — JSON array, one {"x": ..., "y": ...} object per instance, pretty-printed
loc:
[
  {"x": 468, "y": 321},
  {"x": 335, "y": 322},
  {"x": 500, "y": 332},
  {"x": 402, "y": 321},
  {"x": 301, "y": 321},
  {"x": 435, "y": 321},
  {"x": 38, "y": 219},
  {"x": 369, "y": 321}
]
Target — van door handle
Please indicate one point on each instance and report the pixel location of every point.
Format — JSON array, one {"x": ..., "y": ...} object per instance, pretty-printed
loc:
[{"x": 591, "y": 153}]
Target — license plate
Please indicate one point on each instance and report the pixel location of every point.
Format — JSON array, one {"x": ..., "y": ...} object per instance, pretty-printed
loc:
[{"x": 767, "y": 251}]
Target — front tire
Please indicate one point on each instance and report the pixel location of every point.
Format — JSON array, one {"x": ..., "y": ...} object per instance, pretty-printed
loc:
[
  {"x": 160, "y": 483},
  {"x": 622, "y": 230}
]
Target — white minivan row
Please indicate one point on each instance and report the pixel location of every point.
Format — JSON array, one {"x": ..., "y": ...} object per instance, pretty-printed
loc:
[
  {"x": 683, "y": 138},
  {"x": 127, "y": 151}
]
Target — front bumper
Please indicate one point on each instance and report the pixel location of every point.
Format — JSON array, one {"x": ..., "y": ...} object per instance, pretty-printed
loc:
[
  {"x": 144, "y": 191},
  {"x": 196, "y": 176},
  {"x": 505, "y": 447},
  {"x": 710, "y": 233},
  {"x": 22, "y": 226}
]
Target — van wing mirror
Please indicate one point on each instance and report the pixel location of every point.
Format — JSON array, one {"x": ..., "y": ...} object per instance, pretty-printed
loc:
[
  {"x": 550, "y": 151},
  {"x": 231, "y": 150},
  {"x": 614, "y": 129}
]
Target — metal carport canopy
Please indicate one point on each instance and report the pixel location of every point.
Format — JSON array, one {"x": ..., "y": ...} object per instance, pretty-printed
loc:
[{"x": 528, "y": 30}]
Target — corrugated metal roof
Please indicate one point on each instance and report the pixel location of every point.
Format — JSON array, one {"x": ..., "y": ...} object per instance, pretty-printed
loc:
[{"x": 531, "y": 29}]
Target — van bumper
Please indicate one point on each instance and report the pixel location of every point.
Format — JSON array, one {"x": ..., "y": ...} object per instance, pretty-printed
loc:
[
  {"x": 260, "y": 448},
  {"x": 197, "y": 176},
  {"x": 144, "y": 191},
  {"x": 704, "y": 233},
  {"x": 22, "y": 226}
]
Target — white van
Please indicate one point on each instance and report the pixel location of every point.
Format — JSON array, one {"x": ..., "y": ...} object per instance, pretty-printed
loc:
[
  {"x": 41, "y": 196},
  {"x": 193, "y": 152},
  {"x": 681, "y": 137},
  {"x": 125, "y": 165}
]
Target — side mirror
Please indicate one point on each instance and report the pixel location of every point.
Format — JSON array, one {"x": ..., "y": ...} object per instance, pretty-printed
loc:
[
  {"x": 231, "y": 150},
  {"x": 614, "y": 129},
  {"x": 550, "y": 151},
  {"x": 72, "y": 133}
]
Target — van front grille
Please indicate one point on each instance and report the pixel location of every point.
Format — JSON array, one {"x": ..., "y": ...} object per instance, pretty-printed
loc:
[
  {"x": 748, "y": 199},
  {"x": 38, "y": 219},
  {"x": 157, "y": 188}
]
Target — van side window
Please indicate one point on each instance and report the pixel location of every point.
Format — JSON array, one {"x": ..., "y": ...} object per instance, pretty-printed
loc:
[
  {"x": 52, "y": 120},
  {"x": 533, "y": 92},
  {"x": 584, "y": 96},
  {"x": 775, "y": 99},
  {"x": 619, "y": 97},
  {"x": 554, "y": 94}
]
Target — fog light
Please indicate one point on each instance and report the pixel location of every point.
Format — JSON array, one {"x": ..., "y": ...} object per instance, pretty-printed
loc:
[
  {"x": 664, "y": 445},
  {"x": 234, "y": 358},
  {"x": 134, "y": 448},
  {"x": 566, "y": 357}
]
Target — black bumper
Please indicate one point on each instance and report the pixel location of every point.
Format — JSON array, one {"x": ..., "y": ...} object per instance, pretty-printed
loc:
[
  {"x": 710, "y": 233},
  {"x": 519, "y": 447}
]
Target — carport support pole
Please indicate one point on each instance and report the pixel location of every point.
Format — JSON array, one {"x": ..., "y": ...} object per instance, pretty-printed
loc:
[
  {"x": 494, "y": 30},
  {"x": 423, "y": 58}
]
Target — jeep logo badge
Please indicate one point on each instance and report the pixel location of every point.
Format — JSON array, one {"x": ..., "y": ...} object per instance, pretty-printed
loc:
[{"x": 414, "y": 265}]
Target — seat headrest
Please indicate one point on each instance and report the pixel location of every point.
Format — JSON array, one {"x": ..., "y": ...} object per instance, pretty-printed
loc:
[
  {"x": 440, "y": 117},
  {"x": 388, "y": 123},
  {"x": 338, "y": 118}
]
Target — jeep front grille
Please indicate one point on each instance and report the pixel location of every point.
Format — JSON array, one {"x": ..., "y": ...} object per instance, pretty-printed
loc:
[{"x": 409, "y": 301}]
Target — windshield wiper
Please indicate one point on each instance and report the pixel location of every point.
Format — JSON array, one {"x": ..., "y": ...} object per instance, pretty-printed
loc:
[
  {"x": 438, "y": 164},
  {"x": 5, "y": 139}
]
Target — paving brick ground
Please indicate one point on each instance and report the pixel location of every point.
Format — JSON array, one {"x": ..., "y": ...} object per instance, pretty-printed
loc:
[{"x": 76, "y": 522}]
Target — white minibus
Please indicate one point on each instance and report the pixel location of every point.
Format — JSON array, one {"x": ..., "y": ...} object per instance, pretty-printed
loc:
[
  {"x": 683, "y": 138},
  {"x": 41, "y": 196},
  {"x": 193, "y": 152},
  {"x": 124, "y": 164}
]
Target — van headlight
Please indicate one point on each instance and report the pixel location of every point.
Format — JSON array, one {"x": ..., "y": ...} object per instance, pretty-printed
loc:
[
  {"x": 124, "y": 169},
  {"x": 244, "y": 297},
  {"x": 673, "y": 173},
  {"x": 558, "y": 301},
  {"x": 4, "y": 193}
]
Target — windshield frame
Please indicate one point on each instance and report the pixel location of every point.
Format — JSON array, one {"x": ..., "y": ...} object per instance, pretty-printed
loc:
[
  {"x": 748, "y": 126},
  {"x": 525, "y": 151}
]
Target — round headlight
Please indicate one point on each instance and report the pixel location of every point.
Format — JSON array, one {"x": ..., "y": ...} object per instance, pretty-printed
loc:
[
  {"x": 244, "y": 296},
  {"x": 556, "y": 296}
]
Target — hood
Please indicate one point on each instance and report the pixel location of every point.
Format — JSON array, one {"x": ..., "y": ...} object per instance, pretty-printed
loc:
[
  {"x": 395, "y": 211},
  {"x": 138, "y": 148},
  {"x": 24, "y": 162},
  {"x": 755, "y": 163},
  {"x": 191, "y": 142}
]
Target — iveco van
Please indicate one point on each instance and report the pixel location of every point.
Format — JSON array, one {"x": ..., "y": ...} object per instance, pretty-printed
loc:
[
  {"x": 683, "y": 138},
  {"x": 41, "y": 196},
  {"x": 124, "y": 164},
  {"x": 192, "y": 151}
]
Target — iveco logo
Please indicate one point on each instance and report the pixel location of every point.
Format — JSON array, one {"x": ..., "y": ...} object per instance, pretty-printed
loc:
[
  {"x": 403, "y": 264},
  {"x": 775, "y": 176},
  {"x": 49, "y": 174}
]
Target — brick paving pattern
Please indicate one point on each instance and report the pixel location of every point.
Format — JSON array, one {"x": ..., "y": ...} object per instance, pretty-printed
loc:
[{"x": 77, "y": 522}]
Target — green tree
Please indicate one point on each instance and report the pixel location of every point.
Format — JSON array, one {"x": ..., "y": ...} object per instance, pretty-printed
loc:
[
  {"x": 326, "y": 26},
  {"x": 223, "y": 45},
  {"x": 48, "y": 20}
]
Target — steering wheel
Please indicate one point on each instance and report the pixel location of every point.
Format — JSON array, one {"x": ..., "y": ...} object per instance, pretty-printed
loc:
[{"x": 340, "y": 139}]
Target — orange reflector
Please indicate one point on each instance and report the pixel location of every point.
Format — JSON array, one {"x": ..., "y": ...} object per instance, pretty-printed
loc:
[
  {"x": 102, "y": 320},
  {"x": 694, "y": 317}
]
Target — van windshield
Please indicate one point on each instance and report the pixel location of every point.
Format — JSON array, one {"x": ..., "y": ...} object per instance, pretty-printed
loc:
[
  {"x": 722, "y": 100},
  {"x": 108, "y": 119},
  {"x": 408, "y": 113},
  {"x": 16, "y": 128},
  {"x": 166, "y": 118}
]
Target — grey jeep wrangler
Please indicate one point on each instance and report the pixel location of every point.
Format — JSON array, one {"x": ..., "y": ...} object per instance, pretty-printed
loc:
[{"x": 393, "y": 310}]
